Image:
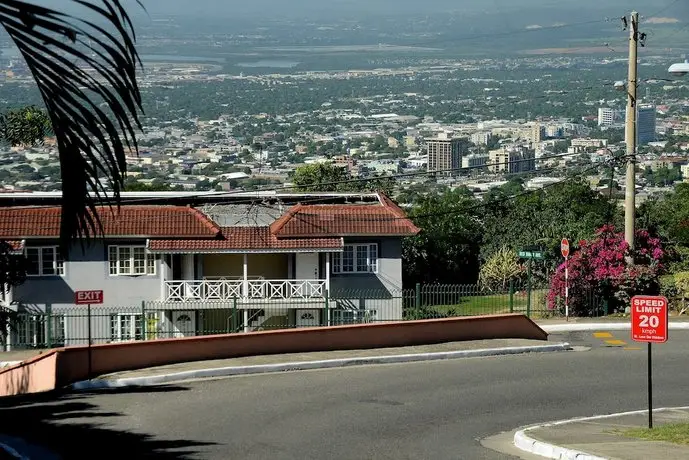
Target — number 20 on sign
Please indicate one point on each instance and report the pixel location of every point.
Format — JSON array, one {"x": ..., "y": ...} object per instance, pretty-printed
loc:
[{"x": 649, "y": 319}]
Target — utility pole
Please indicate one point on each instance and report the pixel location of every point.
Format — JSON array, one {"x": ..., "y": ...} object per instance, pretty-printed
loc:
[{"x": 630, "y": 132}]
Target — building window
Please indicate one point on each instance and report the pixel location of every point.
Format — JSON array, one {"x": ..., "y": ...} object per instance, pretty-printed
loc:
[
  {"x": 32, "y": 331},
  {"x": 44, "y": 261},
  {"x": 356, "y": 258},
  {"x": 131, "y": 260},
  {"x": 125, "y": 328}
]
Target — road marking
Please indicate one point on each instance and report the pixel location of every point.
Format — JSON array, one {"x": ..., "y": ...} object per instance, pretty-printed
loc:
[
  {"x": 602, "y": 335},
  {"x": 632, "y": 348},
  {"x": 616, "y": 342}
]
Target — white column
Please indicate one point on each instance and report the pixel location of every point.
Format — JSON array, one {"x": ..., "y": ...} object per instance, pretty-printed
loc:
[
  {"x": 188, "y": 273},
  {"x": 327, "y": 272},
  {"x": 246, "y": 320},
  {"x": 245, "y": 279},
  {"x": 188, "y": 266},
  {"x": 8, "y": 333},
  {"x": 163, "y": 275}
]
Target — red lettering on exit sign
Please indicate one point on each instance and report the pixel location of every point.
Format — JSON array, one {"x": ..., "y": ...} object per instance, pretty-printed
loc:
[{"x": 88, "y": 297}]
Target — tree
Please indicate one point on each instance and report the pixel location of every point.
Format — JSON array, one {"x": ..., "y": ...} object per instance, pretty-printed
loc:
[
  {"x": 500, "y": 268},
  {"x": 319, "y": 177},
  {"x": 668, "y": 216},
  {"x": 85, "y": 69},
  {"x": 327, "y": 177},
  {"x": 569, "y": 209},
  {"x": 447, "y": 249},
  {"x": 599, "y": 269},
  {"x": 24, "y": 126}
]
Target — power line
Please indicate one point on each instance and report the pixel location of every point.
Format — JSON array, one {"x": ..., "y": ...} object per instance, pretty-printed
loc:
[
  {"x": 470, "y": 208},
  {"x": 358, "y": 180}
]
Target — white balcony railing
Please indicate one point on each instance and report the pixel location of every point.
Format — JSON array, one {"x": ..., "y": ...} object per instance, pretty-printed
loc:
[{"x": 225, "y": 290}]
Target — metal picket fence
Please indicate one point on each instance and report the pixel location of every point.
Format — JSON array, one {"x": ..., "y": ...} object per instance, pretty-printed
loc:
[{"x": 155, "y": 320}]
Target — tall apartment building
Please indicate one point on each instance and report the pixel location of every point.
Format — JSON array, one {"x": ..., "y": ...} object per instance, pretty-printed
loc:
[
  {"x": 444, "y": 153},
  {"x": 645, "y": 124},
  {"x": 608, "y": 116},
  {"x": 512, "y": 159},
  {"x": 481, "y": 137}
]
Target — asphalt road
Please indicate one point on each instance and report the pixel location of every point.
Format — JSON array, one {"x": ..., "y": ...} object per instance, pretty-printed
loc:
[{"x": 431, "y": 410}]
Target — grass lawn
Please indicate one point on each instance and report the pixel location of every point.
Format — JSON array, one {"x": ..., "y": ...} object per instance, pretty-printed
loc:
[
  {"x": 495, "y": 304},
  {"x": 677, "y": 433}
]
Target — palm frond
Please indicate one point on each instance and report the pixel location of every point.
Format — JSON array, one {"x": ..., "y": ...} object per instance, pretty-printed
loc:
[{"x": 86, "y": 74}]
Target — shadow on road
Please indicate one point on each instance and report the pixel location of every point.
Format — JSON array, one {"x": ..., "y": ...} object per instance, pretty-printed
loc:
[{"x": 73, "y": 428}]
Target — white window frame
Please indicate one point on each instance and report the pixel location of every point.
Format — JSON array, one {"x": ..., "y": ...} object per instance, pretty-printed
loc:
[
  {"x": 118, "y": 333},
  {"x": 32, "y": 330},
  {"x": 127, "y": 266},
  {"x": 372, "y": 256},
  {"x": 58, "y": 262}
]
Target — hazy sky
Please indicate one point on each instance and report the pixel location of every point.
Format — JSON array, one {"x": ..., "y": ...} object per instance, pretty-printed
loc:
[{"x": 320, "y": 8}]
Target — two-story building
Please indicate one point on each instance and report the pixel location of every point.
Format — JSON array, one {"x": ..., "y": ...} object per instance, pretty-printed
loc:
[{"x": 183, "y": 264}]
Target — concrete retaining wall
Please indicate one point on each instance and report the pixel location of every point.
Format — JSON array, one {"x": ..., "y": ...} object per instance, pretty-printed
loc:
[{"x": 67, "y": 365}]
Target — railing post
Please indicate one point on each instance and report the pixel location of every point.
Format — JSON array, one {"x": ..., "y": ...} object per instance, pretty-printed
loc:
[
  {"x": 326, "y": 310},
  {"x": 511, "y": 296},
  {"x": 49, "y": 325},
  {"x": 528, "y": 291},
  {"x": 234, "y": 315},
  {"x": 605, "y": 306},
  {"x": 417, "y": 301},
  {"x": 143, "y": 320}
]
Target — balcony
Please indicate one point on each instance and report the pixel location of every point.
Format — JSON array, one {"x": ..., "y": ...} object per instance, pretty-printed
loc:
[{"x": 219, "y": 290}]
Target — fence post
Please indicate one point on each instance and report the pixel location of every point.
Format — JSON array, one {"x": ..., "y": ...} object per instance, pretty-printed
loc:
[
  {"x": 605, "y": 306},
  {"x": 143, "y": 320},
  {"x": 325, "y": 320},
  {"x": 234, "y": 315},
  {"x": 528, "y": 291},
  {"x": 49, "y": 325},
  {"x": 511, "y": 296},
  {"x": 417, "y": 301}
]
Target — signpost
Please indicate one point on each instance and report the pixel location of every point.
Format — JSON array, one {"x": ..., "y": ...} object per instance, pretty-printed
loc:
[
  {"x": 530, "y": 255},
  {"x": 650, "y": 325},
  {"x": 88, "y": 298},
  {"x": 564, "y": 250}
]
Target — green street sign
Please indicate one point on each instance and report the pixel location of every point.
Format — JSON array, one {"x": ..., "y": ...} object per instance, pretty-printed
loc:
[{"x": 531, "y": 255}]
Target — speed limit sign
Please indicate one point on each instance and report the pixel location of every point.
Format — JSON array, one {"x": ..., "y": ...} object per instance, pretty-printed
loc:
[{"x": 649, "y": 319}]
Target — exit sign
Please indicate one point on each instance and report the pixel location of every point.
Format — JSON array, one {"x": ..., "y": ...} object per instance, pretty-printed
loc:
[{"x": 88, "y": 297}]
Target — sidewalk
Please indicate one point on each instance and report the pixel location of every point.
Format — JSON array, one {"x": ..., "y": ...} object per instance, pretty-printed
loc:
[
  {"x": 347, "y": 357},
  {"x": 601, "y": 438}
]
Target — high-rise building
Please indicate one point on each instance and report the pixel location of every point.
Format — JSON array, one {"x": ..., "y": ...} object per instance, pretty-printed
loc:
[
  {"x": 608, "y": 116},
  {"x": 645, "y": 124},
  {"x": 444, "y": 153},
  {"x": 481, "y": 137},
  {"x": 512, "y": 159}
]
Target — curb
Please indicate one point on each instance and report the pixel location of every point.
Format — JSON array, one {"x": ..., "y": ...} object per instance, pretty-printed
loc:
[
  {"x": 585, "y": 327},
  {"x": 533, "y": 446},
  {"x": 309, "y": 365}
]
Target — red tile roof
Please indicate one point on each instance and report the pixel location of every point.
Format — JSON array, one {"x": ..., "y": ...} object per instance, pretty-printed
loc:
[
  {"x": 381, "y": 219},
  {"x": 144, "y": 221},
  {"x": 245, "y": 238}
]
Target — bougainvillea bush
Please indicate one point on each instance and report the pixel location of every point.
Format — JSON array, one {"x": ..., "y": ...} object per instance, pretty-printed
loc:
[{"x": 599, "y": 270}]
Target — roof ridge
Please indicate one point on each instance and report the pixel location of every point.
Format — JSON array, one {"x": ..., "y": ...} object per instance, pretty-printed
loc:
[
  {"x": 207, "y": 221},
  {"x": 387, "y": 202},
  {"x": 280, "y": 222}
]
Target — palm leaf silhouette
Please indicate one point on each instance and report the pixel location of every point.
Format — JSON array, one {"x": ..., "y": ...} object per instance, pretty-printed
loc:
[{"x": 85, "y": 70}]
